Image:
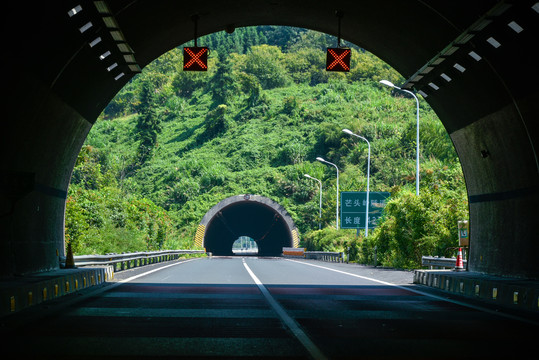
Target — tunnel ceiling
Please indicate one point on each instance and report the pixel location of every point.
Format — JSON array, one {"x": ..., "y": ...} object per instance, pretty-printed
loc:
[
  {"x": 257, "y": 217},
  {"x": 471, "y": 60},
  {"x": 406, "y": 34}
]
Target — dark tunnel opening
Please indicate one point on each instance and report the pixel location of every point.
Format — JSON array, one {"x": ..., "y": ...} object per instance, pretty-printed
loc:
[{"x": 247, "y": 218}]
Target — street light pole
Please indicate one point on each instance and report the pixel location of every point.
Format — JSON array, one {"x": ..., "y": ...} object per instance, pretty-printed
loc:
[
  {"x": 320, "y": 207},
  {"x": 390, "y": 84},
  {"x": 337, "y": 207},
  {"x": 368, "y": 178}
]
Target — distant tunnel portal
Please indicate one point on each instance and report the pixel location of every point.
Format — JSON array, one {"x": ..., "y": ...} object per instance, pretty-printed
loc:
[{"x": 257, "y": 217}]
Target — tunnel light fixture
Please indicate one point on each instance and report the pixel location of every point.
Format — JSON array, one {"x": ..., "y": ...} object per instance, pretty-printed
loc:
[
  {"x": 451, "y": 51},
  {"x": 77, "y": 9},
  {"x": 124, "y": 48},
  {"x": 445, "y": 77},
  {"x": 119, "y": 76},
  {"x": 417, "y": 78},
  {"x": 85, "y": 27},
  {"x": 117, "y": 35},
  {"x": 110, "y": 22},
  {"x": 475, "y": 55},
  {"x": 134, "y": 68},
  {"x": 438, "y": 61},
  {"x": 465, "y": 38},
  {"x": 111, "y": 67},
  {"x": 495, "y": 43},
  {"x": 420, "y": 92},
  {"x": 516, "y": 27},
  {"x": 459, "y": 67},
  {"x": 434, "y": 86},
  {"x": 95, "y": 41},
  {"x": 104, "y": 55},
  {"x": 129, "y": 58},
  {"x": 102, "y": 7}
]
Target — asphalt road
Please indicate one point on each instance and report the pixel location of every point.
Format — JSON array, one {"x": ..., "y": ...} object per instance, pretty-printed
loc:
[{"x": 248, "y": 307}]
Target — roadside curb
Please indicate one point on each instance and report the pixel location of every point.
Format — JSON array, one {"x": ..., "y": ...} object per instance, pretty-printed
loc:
[
  {"x": 510, "y": 292},
  {"x": 18, "y": 293}
]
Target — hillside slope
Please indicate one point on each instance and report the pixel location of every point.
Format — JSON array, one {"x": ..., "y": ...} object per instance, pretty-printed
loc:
[{"x": 179, "y": 143}]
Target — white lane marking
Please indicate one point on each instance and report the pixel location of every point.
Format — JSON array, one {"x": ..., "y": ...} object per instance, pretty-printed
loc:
[
  {"x": 110, "y": 286},
  {"x": 287, "y": 320},
  {"x": 478, "y": 308},
  {"x": 154, "y": 270}
]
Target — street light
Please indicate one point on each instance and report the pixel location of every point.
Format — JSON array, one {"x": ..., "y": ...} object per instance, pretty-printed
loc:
[
  {"x": 346, "y": 131},
  {"x": 390, "y": 84},
  {"x": 337, "y": 207},
  {"x": 320, "y": 183}
]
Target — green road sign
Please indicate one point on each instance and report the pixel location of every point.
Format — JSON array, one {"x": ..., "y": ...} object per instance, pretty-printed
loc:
[{"x": 354, "y": 206}]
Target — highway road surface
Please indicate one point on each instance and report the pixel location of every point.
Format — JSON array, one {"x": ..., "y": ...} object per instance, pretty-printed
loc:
[{"x": 249, "y": 307}]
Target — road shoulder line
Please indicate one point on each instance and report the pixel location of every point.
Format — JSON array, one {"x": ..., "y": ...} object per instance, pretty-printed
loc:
[{"x": 461, "y": 303}]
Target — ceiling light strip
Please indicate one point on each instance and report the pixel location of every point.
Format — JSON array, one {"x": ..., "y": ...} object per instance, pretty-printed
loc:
[{"x": 462, "y": 39}]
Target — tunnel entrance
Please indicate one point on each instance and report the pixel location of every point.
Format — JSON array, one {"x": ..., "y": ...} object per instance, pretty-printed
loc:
[{"x": 261, "y": 219}]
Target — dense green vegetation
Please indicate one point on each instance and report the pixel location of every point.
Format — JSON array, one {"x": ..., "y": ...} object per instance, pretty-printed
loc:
[{"x": 172, "y": 144}]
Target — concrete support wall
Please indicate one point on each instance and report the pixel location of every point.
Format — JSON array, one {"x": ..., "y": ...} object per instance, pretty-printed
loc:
[{"x": 39, "y": 149}]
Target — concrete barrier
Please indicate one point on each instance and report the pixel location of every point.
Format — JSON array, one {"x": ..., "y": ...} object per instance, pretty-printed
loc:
[
  {"x": 23, "y": 292},
  {"x": 511, "y": 292}
]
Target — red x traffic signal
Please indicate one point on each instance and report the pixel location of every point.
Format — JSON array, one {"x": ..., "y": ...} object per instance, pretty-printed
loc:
[
  {"x": 338, "y": 59},
  {"x": 195, "y": 58}
]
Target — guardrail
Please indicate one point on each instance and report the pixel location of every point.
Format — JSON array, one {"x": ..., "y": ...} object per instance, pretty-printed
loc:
[
  {"x": 325, "y": 256},
  {"x": 440, "y": 262},
  {"x": 129, "y": 260}
]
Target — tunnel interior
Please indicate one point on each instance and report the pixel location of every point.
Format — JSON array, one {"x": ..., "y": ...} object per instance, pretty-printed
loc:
[
  {"x": 247, "y": 218},
  {"x": 244, "y": 245}
]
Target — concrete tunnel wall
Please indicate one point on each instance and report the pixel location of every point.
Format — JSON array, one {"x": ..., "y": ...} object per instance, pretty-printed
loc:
[
  {"x": 260, "y": 218},
  {"x": 56, "y": 86}
]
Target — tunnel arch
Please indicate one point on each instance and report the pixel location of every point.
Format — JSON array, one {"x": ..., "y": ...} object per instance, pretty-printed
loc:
[
  {"x": 58, "y": 86},
  {"x": 255, "y": 216}
]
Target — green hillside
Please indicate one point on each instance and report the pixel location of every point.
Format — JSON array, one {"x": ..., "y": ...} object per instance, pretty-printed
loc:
[{"x": 172, "y": 144}]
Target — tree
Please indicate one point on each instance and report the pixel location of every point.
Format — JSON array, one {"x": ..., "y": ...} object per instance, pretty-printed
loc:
[
  {"x": 216, "y": 121},
  {"x": 224, "y": 83},
  {"x": 148, "y": 124},
  {"x": 267, "y": 64}
]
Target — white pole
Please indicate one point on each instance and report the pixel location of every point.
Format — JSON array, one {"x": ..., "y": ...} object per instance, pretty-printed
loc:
[
  {"x": 368, "y": 178},
  {"x": 390, "y": 84},
  {"x": 337, "y": 207},
  {"x": 320, "y": 206}
]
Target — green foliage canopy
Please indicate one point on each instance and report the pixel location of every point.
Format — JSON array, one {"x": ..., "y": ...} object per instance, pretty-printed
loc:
[{"x": 172, "y": 144}]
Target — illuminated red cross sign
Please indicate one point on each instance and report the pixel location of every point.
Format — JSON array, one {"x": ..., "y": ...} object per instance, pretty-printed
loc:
[
  {"x": 195, "y": 58},
  {"x": 338, "y": 59}
]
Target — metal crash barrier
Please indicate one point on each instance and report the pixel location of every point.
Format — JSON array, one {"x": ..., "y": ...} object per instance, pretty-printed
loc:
[
  {"x": 315, "y": 255},
  {"x": 439, "y": 262},
  {"x": 325, "y": 256},
  {"x": 129, "y": 260}
]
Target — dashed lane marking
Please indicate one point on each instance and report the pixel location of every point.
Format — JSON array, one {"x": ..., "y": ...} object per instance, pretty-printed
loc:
[{"x": 298, "y": 332}]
